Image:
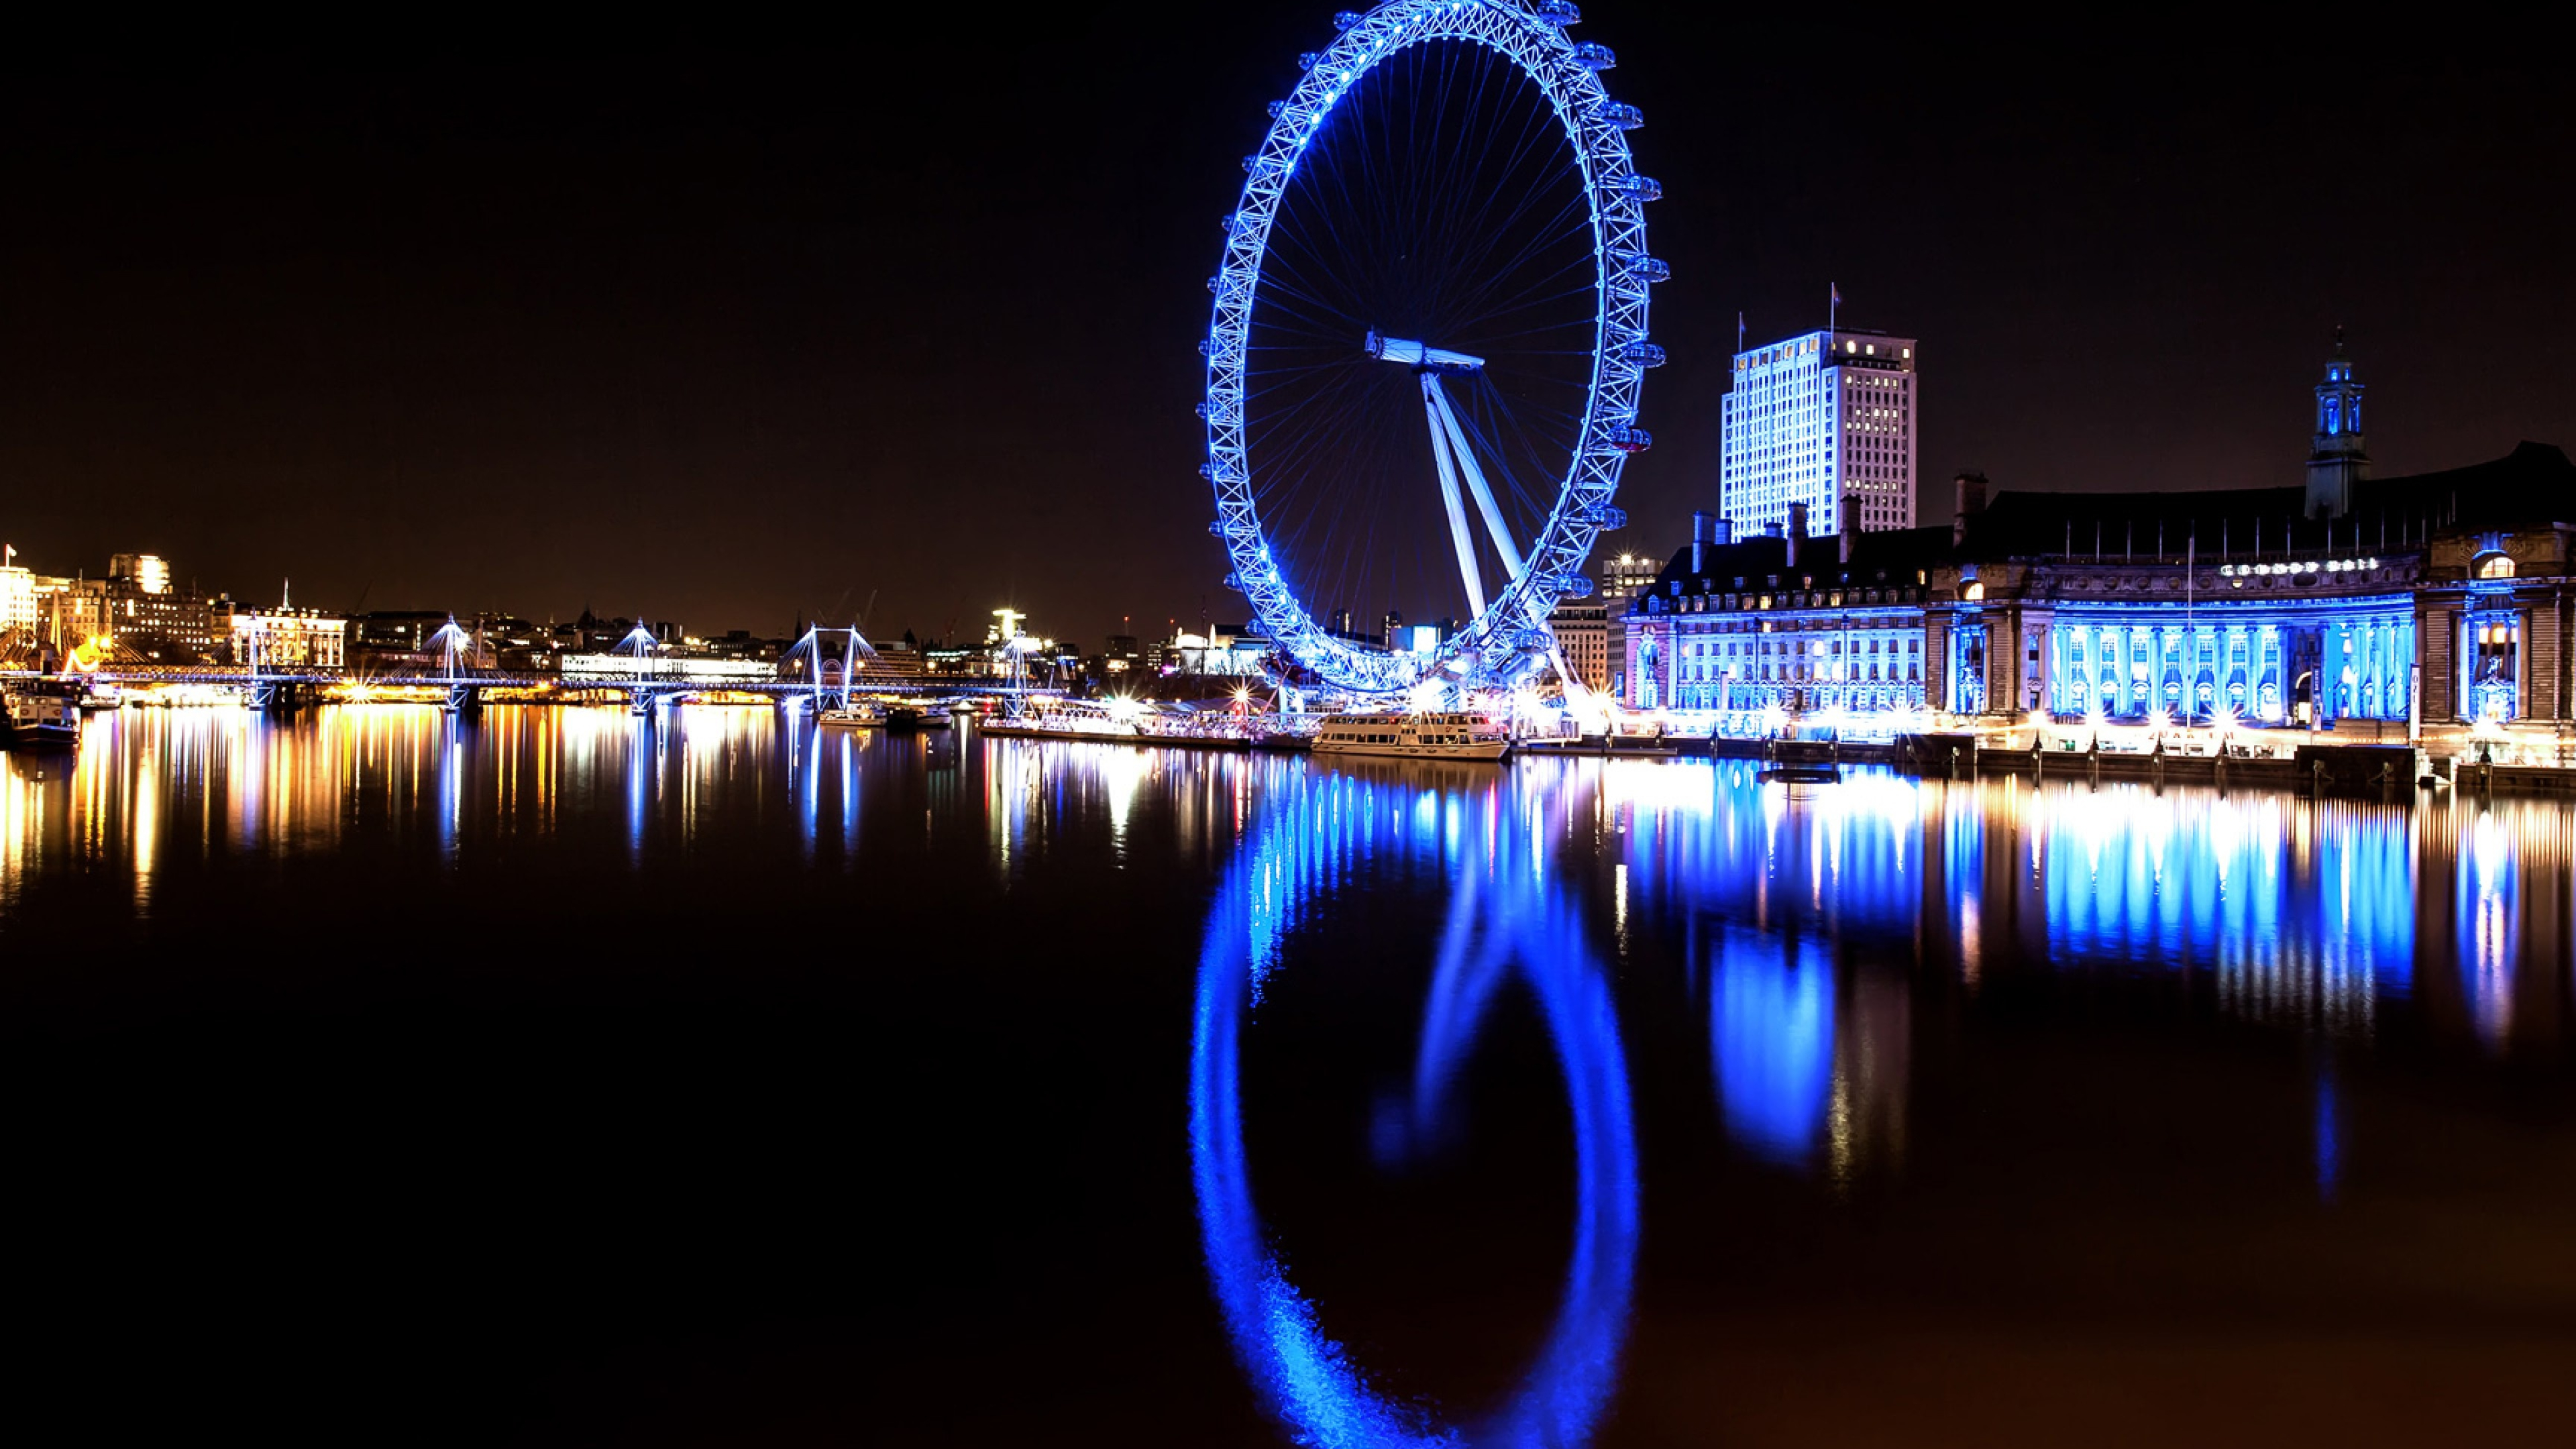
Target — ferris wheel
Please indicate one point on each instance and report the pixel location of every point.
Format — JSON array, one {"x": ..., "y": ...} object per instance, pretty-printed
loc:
[{"x": 1429, "y": 335}]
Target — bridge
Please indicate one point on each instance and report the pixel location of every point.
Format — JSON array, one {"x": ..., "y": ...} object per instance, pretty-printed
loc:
[{"x": 824, "y": 670}]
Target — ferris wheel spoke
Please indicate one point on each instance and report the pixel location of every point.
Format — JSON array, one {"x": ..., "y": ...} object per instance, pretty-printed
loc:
[{"x": 1576, "y": 249}]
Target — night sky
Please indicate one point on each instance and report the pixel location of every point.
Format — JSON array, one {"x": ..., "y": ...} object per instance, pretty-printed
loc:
[{"x": 730, "y": 333}]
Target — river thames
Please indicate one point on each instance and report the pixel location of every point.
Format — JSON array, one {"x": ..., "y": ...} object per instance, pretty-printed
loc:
[{"x": 557, "y": 1078}]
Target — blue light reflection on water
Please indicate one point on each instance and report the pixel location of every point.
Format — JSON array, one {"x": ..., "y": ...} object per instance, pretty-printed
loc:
[
  {"x": 2488, "y": 923},
  {"x": 1771, "y": 1037},
  {"x": 1307, "y": 837},
  {"x": 2299, "y": 907},
  {"x": 1810, "y": 918}
]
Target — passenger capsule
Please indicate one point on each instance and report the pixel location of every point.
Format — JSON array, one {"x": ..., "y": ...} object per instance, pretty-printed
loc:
[
  {"x": 1559, "y": 13},
  {"x": 1629, "y": 438},
  {"x": 1592, "y": 55},
  {"x": 1643, "y": 354},
  {"x": 1307, "y": 60},
  {"x": 1643, "y": 267},
  {"x": 1642, "y": 189},
  {"x": 1346, "y": 19},
  {"x": 1620, "y": 114},
  {"x": 1577, "y": 587}
]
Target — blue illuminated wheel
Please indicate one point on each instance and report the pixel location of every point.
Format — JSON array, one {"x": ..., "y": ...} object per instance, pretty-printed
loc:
[{"x": 1429, "y": 335}]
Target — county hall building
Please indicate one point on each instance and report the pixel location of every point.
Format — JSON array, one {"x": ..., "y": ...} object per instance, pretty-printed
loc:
[{"x": 2380, "y": 605}]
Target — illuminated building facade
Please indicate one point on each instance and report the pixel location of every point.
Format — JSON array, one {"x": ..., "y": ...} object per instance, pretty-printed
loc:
[
  {"x": 395, "y": 640},
  {"x": 17, "y": 600},
  {"x": 1824, "y": 421},
  {"x": 1582, "y": 630},
  {"x": 134, "y": 607},
  {"x": 1786, "y": 621},
  {"x": 148, "y": 572},
  {"x": 1227, "y": 649},
  {"x": 1622, "y": 578},
  {"x": 2391, "y": 608},
  {"x": 283, "y": 637}
]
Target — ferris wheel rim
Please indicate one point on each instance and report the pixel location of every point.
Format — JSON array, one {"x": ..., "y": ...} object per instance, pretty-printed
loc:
[{"x": 1530, "y": 35}]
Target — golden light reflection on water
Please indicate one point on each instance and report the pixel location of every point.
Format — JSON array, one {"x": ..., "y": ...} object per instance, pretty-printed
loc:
[
  {"x": 147, "y": 783},
  {"x": 2285, "y": 911}
]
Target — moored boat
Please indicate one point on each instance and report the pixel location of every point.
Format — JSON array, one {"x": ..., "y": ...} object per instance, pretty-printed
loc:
[
  {"x": 39, "y": 719},
  {"x": 1413, "y": 736},
  {"x": 856, "y": 717}
]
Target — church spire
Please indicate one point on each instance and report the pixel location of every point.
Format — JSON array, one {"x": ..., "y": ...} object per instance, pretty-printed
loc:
[{"x": 2337, "y": 461}]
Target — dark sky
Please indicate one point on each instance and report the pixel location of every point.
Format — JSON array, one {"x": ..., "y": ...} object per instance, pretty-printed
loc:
[{"x": 726, "y": 331}]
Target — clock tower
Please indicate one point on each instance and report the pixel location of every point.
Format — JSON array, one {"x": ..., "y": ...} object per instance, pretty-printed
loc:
[{"x": 2336, "y": 459}]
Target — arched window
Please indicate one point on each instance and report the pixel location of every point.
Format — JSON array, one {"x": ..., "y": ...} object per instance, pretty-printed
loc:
[{"x": 2495, "y": 566}]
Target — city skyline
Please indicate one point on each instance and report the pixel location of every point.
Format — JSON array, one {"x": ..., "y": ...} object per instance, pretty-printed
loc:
[
  {"x": 689, "y": 338},
  {"x": 1456, "y": 722}
]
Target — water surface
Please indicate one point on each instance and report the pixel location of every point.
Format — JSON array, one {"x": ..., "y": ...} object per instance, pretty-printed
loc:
[{"x": 557, "y": 1077}]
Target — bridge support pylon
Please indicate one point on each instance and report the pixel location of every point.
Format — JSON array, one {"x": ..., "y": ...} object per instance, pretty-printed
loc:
[
  {"x": 275, "y": 696},
  {"x": 465, "y": 700}
]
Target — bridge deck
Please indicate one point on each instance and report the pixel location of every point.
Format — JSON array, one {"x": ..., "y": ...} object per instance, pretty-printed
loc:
[{"x": 912, "y": 686}]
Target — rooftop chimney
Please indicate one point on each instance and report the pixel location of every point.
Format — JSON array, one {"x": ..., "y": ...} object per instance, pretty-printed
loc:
[
  {"x": 1851, "y": 511},
  {"x": 1797, "y": 520},
  {"x": 1699, "y": 542},
  {"x": 1722, "y": 532},
  {"x": 1971, "y": 487}
]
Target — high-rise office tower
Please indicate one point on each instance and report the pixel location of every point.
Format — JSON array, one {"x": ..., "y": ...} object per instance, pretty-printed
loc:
[{"x": 1825, "y": 419}]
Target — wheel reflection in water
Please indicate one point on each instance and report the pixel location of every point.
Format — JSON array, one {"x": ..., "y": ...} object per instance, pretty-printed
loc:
[{"x": 1310, "y": 835}]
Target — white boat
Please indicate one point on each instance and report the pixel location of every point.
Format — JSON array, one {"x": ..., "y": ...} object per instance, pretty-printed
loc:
[
  {"x": 1413, "y": 736},
  {"x": 857, "y": 717},
  {"x": 40, "y": 720}
]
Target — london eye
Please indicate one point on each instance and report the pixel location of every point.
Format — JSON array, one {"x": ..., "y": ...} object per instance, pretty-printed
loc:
[{"x": 1427, "y": 345}]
